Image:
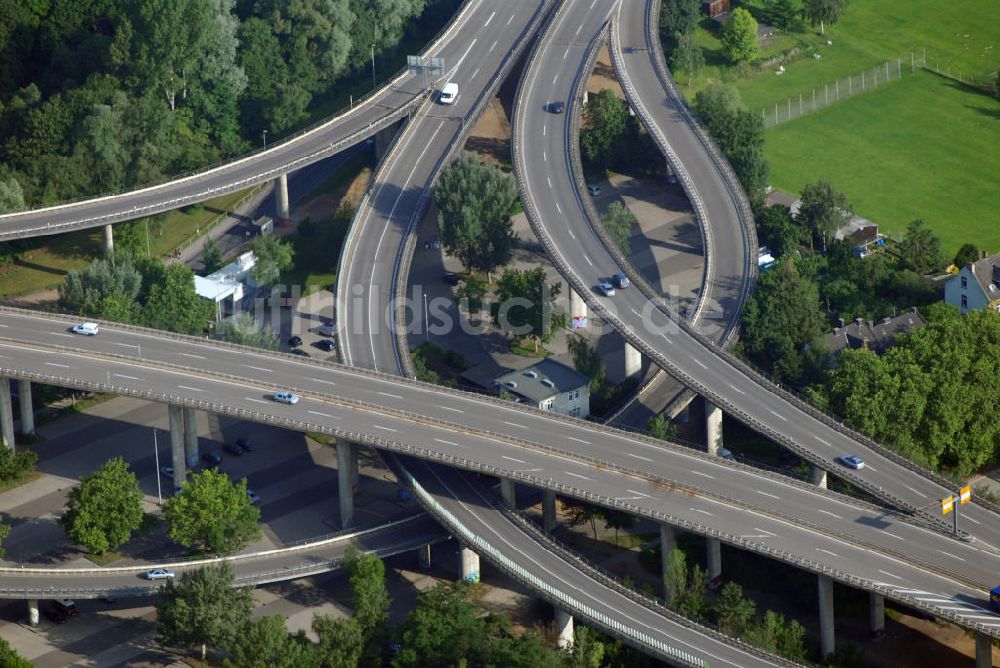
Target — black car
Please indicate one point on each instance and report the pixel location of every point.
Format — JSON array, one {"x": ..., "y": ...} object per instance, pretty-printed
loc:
[
  {"x": 557, "y": 107},
  {"x": 295, "y": 341},
  {"x": 325, "y": 344},
  {"x": 232, "y": 448},
  {"x": 452, "y": 279},
  {"x": 56, "y": 616},
  {"x": 246, "y": 445},
  {"x": 212, "y": 458},
  {"x": 299, "y": 351}
]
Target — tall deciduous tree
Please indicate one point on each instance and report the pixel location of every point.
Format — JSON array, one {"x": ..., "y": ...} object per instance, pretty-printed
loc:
[
  {"x": 202, "y": 609},
  {"x": 105, "y": 509},
  {"x": 341, "y": 641},
  {"x": 604, "y": 129},
  {"x": 587, "y": 361},
  {"x": 739, "y": 37},
  {"x": 370, "y": 600},
  {"x": 618, "y": 220},
  {"x": 11, "y": 193},
  {"x": 687, "y": 55},
  {"x": 266, "y": 643},
  {"x": 966, "y": 254},
  {"x": 526, "y": 305},
  {"x": 9, "y": 658},
  {"x": 212, "y": 513},
  {"x": 680, "y": 16},
  {"x": 733, "y": 612},
  {"x": 475, "y": 203},
  {"x": 920, "y": 249},
  {"x": 823, "y": 211},
  {"x": 244, "y": 330},
  {"x": 821, "y": 12},
  {"x": 83, "y": 292},
  {"x": 273, "y": 256},
  {"x": 174, "y": 305}
]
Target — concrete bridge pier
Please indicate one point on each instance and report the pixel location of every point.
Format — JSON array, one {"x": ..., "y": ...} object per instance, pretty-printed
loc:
[
  {"x": 876, "y": 613},
  {"x": 109, "y": 240},
  {"x": 347, "y": 463},
  {"x": 564, "y": 629},
  {"x": 177, "y": 459},
  {"x": 33, "y": 611},
  {"x": 826, "y": 635},
  {"x": 818, "y": 476},
  {"x": 424, "y": 555},
  {"x": 714, "y": 558},
  {"x": 508, "y": 491},
  {"x": 633, "y": 360},
  {"x": 984, "y": 651},
  {"x": 470, "y": 565},
  {"x": 282, "y": 213},
  {"x": 548, "y": 510},
  {"x": 191, "y": 437},
  {"x": 577, "y": 307},
  {"x": 713, "y": 428},
  {"x": 27, "y": 409},
  {"x": 6, "y": 413}
]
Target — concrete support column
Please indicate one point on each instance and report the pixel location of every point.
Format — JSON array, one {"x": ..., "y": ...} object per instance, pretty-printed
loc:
[
  {"x": 577, "y": 307},
  {"x": 876, "y": 613},
  {"x": 507, "y": 491},
  {"x": 424, "y": 555},
  {"x": 27, "y": 409},
  {"x": 826, "y": 636},
  {"x": 633, "y": 360},
  {"x": 714, "y": 558},
  {"x": 548, "y": 510},
  {"x": 109, "y": 240},
  {"x": 33, "y": 611},
  {"x": 191, "y": 437},
  {"x": 713, "y": 428},
  {"x": 6, "y": 413},
  {"x": 564, "y": 629},
  {"x": 177, "y": 460},
  {"x": 345, "y": 489},
  {"x": 668, "y": 541},
  {"x": 984, "y": 651},
  {"x": 470, "y": 565},
  {"x": 818, "y": 476},
  {"x": 282, "y": 212},
  {"x": 352, "y": 463}
]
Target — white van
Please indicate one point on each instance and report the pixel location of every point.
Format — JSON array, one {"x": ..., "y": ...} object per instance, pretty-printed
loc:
[{"x": 448, "y": 93}]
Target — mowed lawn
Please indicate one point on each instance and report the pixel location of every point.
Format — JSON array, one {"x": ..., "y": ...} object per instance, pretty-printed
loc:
[{"x": 924, "y": 147}]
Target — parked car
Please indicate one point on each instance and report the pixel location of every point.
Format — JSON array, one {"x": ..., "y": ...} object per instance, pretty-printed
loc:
[
  {"x": 606, "y": 289},
  {"x": 246, "y": 445},
  {"x": 286, "y": 397},
  {"x": 159, "y": 574},
  {"x": 594, "y": 190},
  {"x": 325, "y": 344},
  {"x": 233, "y": 448},
  {"x": 327, "y": 330},
  {"x": 212, "y": 458},
  {"x": 621, "y": 281},
  {"x": 452, "y": 279},
  {"x": 254, "y": 499},
  {"x": 168, "y": 471},
  {"x": 56, "y": 617},
  {"x": 852, "y": 461},
  {"x": 295, "y": 341},
  {"x": 557, "y": 107},
  {"x": 300, "y": 352},
  {"x": 86, "y": 328},
  {"x": 66, "y": 606}
]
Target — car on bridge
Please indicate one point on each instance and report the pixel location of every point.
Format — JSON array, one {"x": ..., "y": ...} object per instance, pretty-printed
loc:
[
  {"x": 995, "y": 599},
  {"x": 86, "y": 328},
  {"x": 159, "y": 574},
  {"x": 283, "y": 397},
  {"x": 606, "y": 289},
  {"x": 448, "y": 93},
  {"x": 556, "y": 107},
  {"x": 852, "y": 461},
  {"x": 620, "y": 280}
]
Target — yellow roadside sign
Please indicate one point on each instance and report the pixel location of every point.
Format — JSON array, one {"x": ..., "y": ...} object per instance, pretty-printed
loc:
[
  {"x": 947, "y": 505},
  {"x": 965, "y": 495}
]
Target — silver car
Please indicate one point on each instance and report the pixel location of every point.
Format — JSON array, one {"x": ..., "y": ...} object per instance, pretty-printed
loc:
[{"x": 286, "y": 398}]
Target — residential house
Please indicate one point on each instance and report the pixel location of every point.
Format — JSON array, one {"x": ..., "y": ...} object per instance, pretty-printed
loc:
[
  {"x": 229, "y": 288},
  {"x": 549, "y": 385},
  {"x": 878, "y": 337},
  {"x": 976, "y": 286}
]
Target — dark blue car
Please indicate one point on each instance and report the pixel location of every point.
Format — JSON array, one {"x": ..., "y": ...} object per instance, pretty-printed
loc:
[{"x": 995, "y": 599}]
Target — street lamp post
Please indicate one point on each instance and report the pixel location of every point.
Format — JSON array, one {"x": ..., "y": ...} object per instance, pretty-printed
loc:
[
  {"x": 156, "y": 456},
  {"x": 264, "y": 132},
  {"x": 373, "y": 66},
  {"x": 427, "y": 331}
]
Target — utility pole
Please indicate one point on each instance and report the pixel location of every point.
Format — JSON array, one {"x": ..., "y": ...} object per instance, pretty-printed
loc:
[
  {"x": 264, "y": 132},
  {"x": 373, "y": 66}
]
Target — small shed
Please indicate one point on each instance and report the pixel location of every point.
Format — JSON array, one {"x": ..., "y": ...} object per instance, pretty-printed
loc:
[
  {"x": 714, "y": 8},
  {"x": 262, "y": 227}
]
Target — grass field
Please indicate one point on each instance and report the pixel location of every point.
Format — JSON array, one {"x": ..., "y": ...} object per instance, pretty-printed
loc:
[
  {"x": 960, "y": 35},
  {"x": 924, "y": 147}
]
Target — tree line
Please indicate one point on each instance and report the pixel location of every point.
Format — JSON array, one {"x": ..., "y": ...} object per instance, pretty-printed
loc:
[{"x": 99, "y": 95}]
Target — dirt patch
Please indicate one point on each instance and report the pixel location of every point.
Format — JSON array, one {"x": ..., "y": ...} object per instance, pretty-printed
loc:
[
  {"x": 326, "y": 204},
  {"x": 490, "y": 139},
  {"x": 355, "y": 190},
  {"x": 604, "y": 76}
]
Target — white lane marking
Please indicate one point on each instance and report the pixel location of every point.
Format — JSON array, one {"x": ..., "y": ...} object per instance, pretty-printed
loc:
[
  {"x": 544, "y": 128},
  {"x": 765, "y": 531},
  {"x": 197, "y": 357},
  {"x": 193, "y": 389},
  {"x": 871, "y": 468},
  {"x": 565, "y": 53},
  {"x": 704, "y": 475},
  {"x": 589, "y": 261},
  {"x": 699, "y": 363},
  {"x": 577, "y": 475},
  {"x": 513, "y": 459},
  {"x": 558, "y": 208},
  {"x": 571, "y": 233},
  {"x": 949, "y": 554},
  {"x": 636, "y": 313},
  {"x": 510, "y": 19},
  {"x": 258, "y": 368},
  {"x": 971, "y": 520},
  {"x": 441, "y": 440},
  {"x": 632, "y": 491},
  {"x": 453, "y": 410},
  {"x": 475, "y": 73},
  {"x": 554, "y": 79},
  {"x": 667, "y": 339},
  {"x": 490, "y": 19},
  {"x": 892, "y": 535},
  {"x": 545, "y": 156},
  {"x": 821, "y": 440},
  {"x": 773, "y": 496},
  {"x": 514, "y": 424},
  {"x": 69, "y": 336},
  {"x": 259, "y": 401},
  {"x": 892, "y": 575},
  {"x": 832, "y": 554},
  {"x": 378, "y": 426},
  {"x": 578, "y": 440},
  {"x": 5, "y": 326},
  {"x": 579, "y": 29},
  {"x": 549, "y": 180},
  {"x": 827, "y": 512},
  {"x": 394, "y": 396},
  {"x": 64, "y": 366},
  {"x": 699, "y": 510},
  {"x": 494, "y": 45},
  {"x": 325, "y": 382},
  {"x": 779, "y": 416},
  {"x": 121, "y": 375},
  {"x": 915, "y": 491},
  {"x": 327, "y": 415},
  {"x": 645, "y": 459},
  {"x": 733, "y": 387}
]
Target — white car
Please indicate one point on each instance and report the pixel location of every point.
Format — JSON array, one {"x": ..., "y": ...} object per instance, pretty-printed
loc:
[
  {"x": 594, "y": 190},
  {"x": 86, "y": 328},
  {"x": 606, "y": 289},
  {"x": 159, "y": 574},
  {"x": 286, "y": 398},
  {"x": 448, "y": 93}
]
